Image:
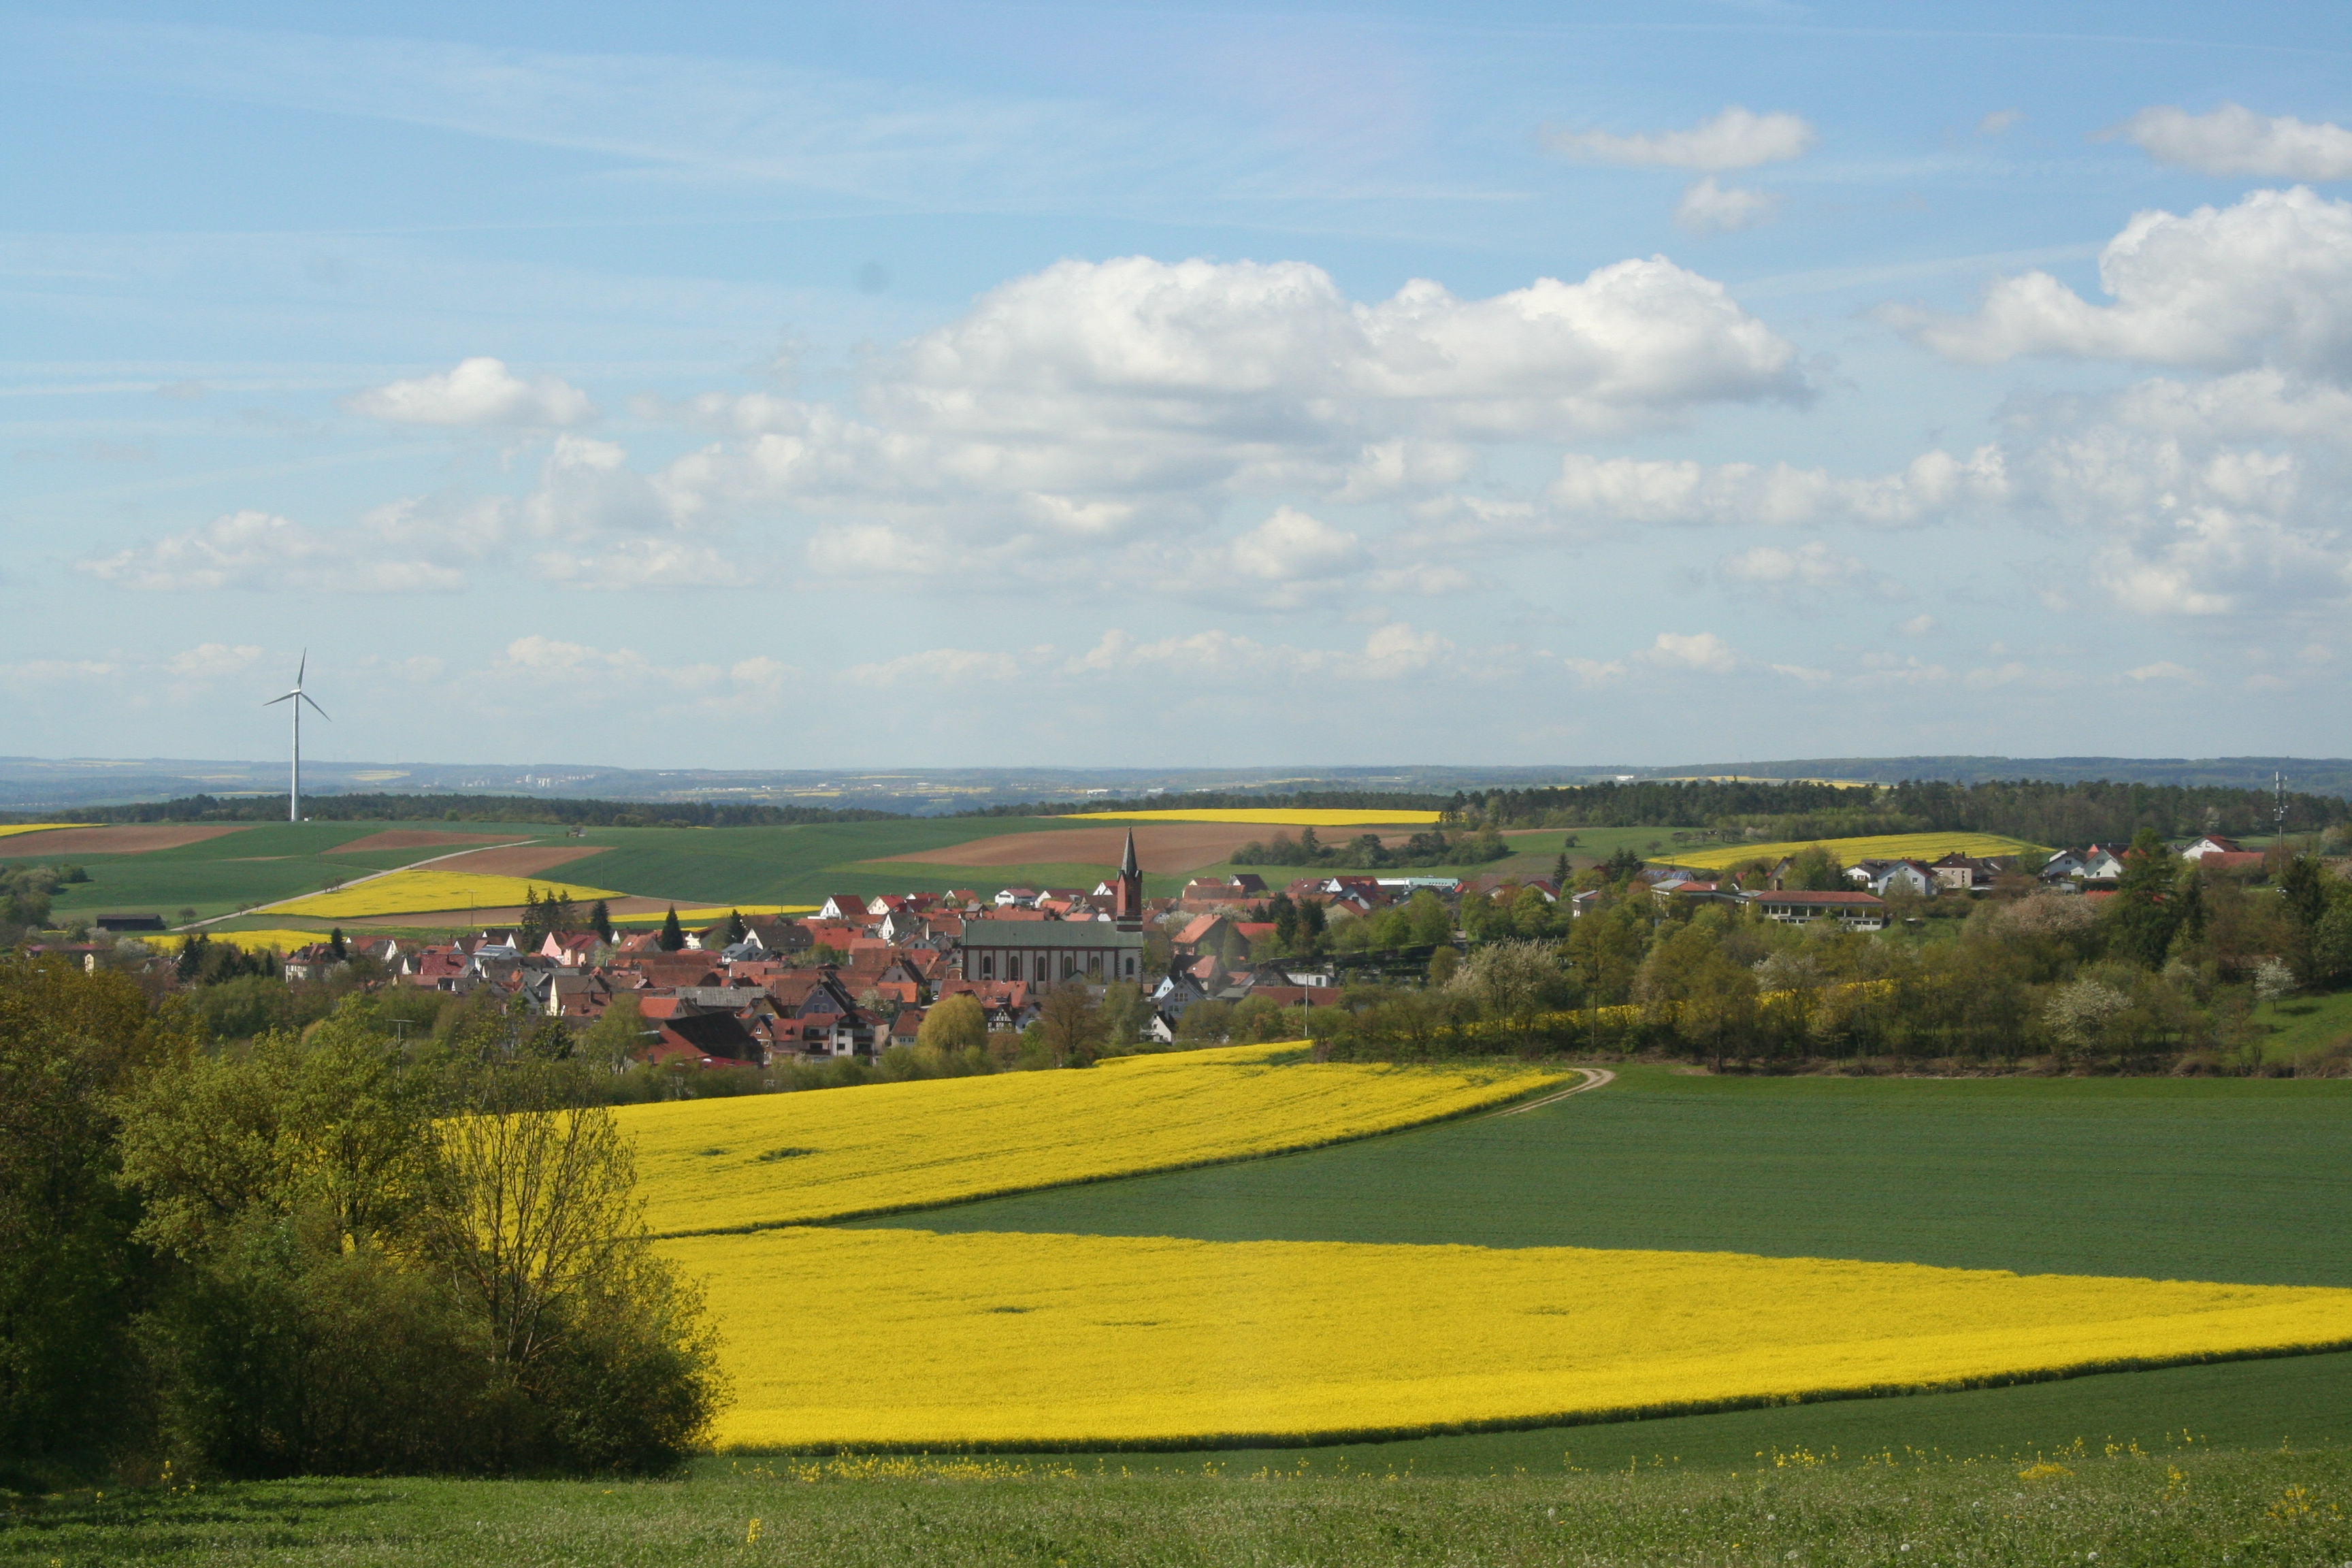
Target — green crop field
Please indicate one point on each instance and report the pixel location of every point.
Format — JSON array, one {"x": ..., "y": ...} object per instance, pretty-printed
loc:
[
  {"x": 2237, "y": 1179},
  {"x": 2243, "y": 1180},
  {"x": 259, "y": 864}
]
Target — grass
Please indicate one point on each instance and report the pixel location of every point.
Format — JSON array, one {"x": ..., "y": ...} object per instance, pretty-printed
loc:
[
  {"x": 803, "y": 864},
  {"x": 2242, "y": 1180},
  {"x": 2193, "y": 1506},
  {"x": 2303, "y": 1024}
]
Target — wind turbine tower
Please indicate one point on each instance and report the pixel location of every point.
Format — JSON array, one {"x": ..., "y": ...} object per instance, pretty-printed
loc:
[{"x": 298, "y": 697}]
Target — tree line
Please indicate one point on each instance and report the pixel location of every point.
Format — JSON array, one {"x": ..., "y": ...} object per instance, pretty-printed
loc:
[
  {"x": 2167, "y": 974},
  {"x": 322, "y": 1251},
  {"x": 1366, "y": 852}
]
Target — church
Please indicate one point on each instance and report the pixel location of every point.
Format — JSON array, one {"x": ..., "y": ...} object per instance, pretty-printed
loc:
[{"x": 1047, "y": 953}]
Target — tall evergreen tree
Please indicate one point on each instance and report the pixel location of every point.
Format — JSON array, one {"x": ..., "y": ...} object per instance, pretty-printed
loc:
[
  {"x": 672, "y": 935},
  {"x": 600, "y": 921}
]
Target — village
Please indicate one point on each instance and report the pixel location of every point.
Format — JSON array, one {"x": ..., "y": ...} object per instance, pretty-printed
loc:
[{"x": 858, "y": 975}]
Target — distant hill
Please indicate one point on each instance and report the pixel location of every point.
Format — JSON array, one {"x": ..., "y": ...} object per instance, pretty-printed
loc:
[{"x": 2305, "y": 775}]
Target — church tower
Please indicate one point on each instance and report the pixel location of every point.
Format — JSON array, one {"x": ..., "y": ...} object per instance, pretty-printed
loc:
[{"x": 1128, "y": 910}]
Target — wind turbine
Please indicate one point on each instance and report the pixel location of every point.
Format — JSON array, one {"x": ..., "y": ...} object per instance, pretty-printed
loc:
[{"x": 298, "y": 697}]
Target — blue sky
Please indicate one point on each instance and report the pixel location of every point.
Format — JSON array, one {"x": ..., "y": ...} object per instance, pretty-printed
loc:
[{"x": 816, "y": 387}]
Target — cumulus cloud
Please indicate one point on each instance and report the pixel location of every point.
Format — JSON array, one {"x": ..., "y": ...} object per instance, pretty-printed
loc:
[
  {"x": 1999, "y": 121},
  {"x": 1738, "y": 138},
  {"x": 1814, "y": 565},
  {"x": 478, "y": 391},
  {"x": 2162, "y": 669},
  {"x": 540, "y": 664},
  {"x": 2265, "y": 282},
  {"x": 939, "y": 666},
  {"x": 406, "y": 547},
  {"x": 1707, "y": 207},
  {"x": 2217, "y": 563},
  {"x": 209, "y": 662},
  {"x": 1701, "y": 651},
  {"x": 2234, "y": 139},
  {"x": 1392, "y": 651},
  {"x": 1646, "y": 490}
]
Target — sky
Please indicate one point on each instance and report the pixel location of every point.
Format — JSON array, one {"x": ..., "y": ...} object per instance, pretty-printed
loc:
[{"x": 909, "y": 383}]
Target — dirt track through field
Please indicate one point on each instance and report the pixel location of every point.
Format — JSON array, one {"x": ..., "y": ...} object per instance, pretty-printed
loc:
[
  {"x": 1162, "y": 846},
  {"x": 127, "y": 838},
  {"x": 416, "y": 839},
  {"x": 522, "y": 860}
]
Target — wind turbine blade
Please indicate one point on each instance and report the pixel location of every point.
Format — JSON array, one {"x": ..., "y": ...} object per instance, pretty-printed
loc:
[
  {"x": 313, "y": 701},
  {"x": 301, "y": 669},
  {"x": 276, "y": 701}
]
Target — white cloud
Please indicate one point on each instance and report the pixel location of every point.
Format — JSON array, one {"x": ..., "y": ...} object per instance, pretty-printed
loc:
[
  {"x": 212, "y": 660},
  {"x": 479, "y": 391},
  {"x": 1707, "y": 207},
  {"x": 2162, "y": 669},
  {"x": 2213, "y": 562},
  {"x": 404, "y": 547},
  {"x": 2267, "y": 281},
  {"x": 941, "y": 666},
  {"x": 1391, "y": 651},
  {"x": 1592, "y": 672},
  {"x": 1695, "y": 650},
  {"x": 1918, "y": 626},
  {"x": 1735, "y": 139},
  {"x": 2234, "y": 139},
  {"x": 1814, "y": 565},
  {"x": 1999, "y": 121},
  {"x": 1291, "y": 545},
  {"x": 1803, "y": 674},
  {"x": 1645, "y": 490}
]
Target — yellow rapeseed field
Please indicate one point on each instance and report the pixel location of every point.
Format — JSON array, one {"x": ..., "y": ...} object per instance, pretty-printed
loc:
[
  {"x": 10, "y": 830},
  {"x": 787, "y": 1159},
  {"x": 1257, "y": 813},
  {"x": 1885, "y": 847},
  {"x": 703, "y": 914},
  {"x": 283, "y": 940},
  {"x": 424, "y": 892},
  {"x": 1077, "y": 1340}
]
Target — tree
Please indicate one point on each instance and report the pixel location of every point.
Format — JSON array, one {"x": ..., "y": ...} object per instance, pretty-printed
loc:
[
  {"x": 600, "y": 921},
  {"x": 1443, "y": 963},
  {"x": 616, "y": 1037},
  {"x": 1431, "y": 923},
  {"x": 1284, "y": 913},
  {"x": 1311, "y": 924},
  {"x": 954, "y": 1023},
  {"x": 672, "y": 935},
  {"x": 72, "y": 1277},
  {"x": 1560, "y": 872},
  {"x": 335, "y": 944},
  {"x": 1126, "y": 1012},
  {"x": 736, "y": 929},
  {"x": 1070, "y": 1026},
  {"x": 533, "y": 928}
]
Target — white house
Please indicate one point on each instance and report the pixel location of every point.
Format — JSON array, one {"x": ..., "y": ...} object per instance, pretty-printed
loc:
[
  {"x": 2212, "y": 844},
  {"x": 1882, "y": 875}
]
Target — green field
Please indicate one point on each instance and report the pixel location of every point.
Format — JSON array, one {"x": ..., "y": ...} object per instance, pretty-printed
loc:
[
  {"x": 2187, "y": 1507},
  {"x": 259, "y": 864},
  {"x": 2236, "y": 1179}
]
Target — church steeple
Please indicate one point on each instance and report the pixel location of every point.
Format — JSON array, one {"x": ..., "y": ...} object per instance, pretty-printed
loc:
[{"x": 1128, "y": 910}]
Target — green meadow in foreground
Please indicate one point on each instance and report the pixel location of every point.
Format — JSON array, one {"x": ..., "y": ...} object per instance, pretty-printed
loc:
[{"x": 2283, "y": 1508}]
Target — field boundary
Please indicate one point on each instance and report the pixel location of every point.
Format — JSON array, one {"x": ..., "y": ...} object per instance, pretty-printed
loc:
[
  {"x": 1566, "y": 1420},
  {"x": 886, "y": 1210}
]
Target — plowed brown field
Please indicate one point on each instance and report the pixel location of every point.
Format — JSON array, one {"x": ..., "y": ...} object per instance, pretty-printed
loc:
[
  {"x": 522, "y": 861},
  {"x": 416, "y": 839},
  {"x": 125, "y": 838},
  {"x": 1163, "y": 847}
]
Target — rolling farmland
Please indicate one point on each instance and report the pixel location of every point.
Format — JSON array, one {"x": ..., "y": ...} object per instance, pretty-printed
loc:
[
  {"x": 427, "y": 892},
  {"x": 776, "y": 1159},
  {"x": 2239, "y": 1179},
  {"x": 1162, "y": 1340}
]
